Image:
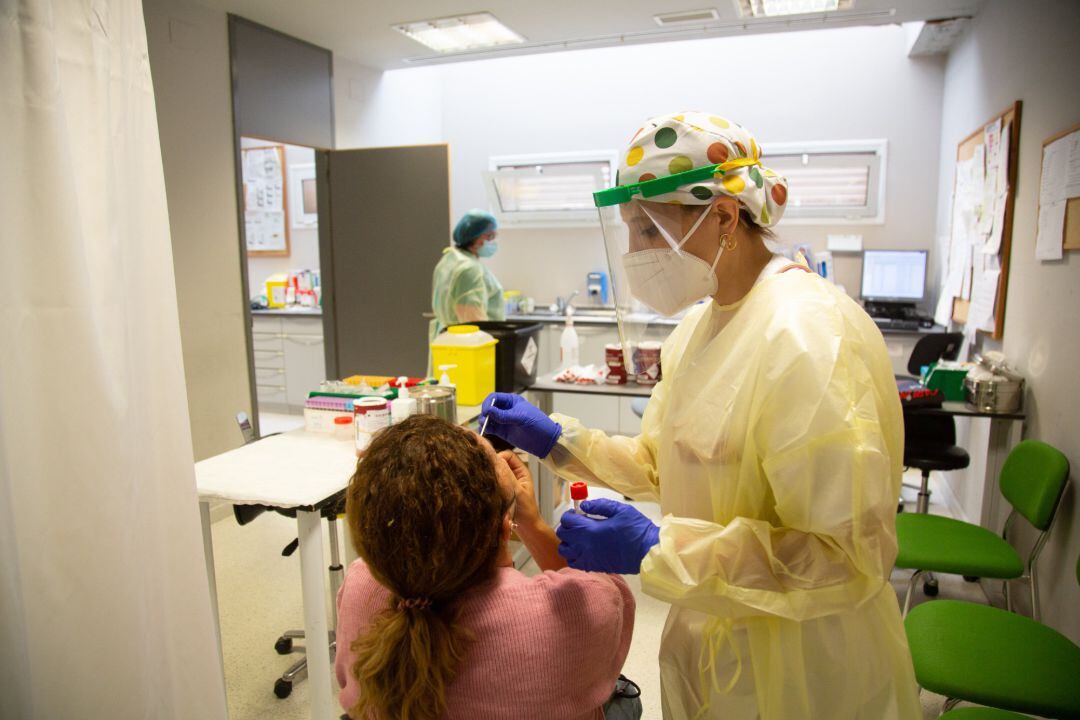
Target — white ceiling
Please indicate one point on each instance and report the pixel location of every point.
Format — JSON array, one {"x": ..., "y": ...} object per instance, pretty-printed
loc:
[{"x": 361, "y": 30}]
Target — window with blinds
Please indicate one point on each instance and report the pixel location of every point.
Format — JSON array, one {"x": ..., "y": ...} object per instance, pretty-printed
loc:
[
  {"x": 547, "y": 190},
  {"x": 832, "y": 182}
]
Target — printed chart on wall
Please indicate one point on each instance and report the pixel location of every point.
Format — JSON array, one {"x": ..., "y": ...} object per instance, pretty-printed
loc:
[
  {"x": 266, "y": 229},
  {"x": 977, "y": 267},
  {"x": 1059, "y": 196}
]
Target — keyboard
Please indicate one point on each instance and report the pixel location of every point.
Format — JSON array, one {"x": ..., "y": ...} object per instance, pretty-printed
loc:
[{"x": 896, "y": 324}]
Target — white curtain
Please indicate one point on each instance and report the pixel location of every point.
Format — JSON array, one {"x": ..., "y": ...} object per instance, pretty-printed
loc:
[{"x": 104, "y": 600}]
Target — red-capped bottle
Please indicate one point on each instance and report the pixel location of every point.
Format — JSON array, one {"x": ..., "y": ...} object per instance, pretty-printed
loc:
[{"x": 579, "y": 491}]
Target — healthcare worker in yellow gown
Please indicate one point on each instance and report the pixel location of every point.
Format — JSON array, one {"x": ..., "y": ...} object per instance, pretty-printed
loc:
[
  {"x": 463, "y": 289},
  {"x": 773, "y": 445}
]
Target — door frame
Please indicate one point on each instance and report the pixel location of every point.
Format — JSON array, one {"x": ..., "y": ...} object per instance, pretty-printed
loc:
[{"x": 245, "y": 287}]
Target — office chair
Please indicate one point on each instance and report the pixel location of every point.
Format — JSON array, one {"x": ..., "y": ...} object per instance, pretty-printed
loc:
[
  {"x": 931, "y": 348},
  {"x": 246, "y": 513}
]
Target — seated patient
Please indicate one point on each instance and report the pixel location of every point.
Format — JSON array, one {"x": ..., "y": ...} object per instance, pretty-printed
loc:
[{"x": 435, "y": 622}]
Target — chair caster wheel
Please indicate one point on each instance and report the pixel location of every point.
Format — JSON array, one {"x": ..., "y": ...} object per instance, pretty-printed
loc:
[
  {"x": 930, "y": 588},
  {"x": 283, "y": 645},
  {"x": 971, "y": 578},
  {"x": 282, "y": 688}
]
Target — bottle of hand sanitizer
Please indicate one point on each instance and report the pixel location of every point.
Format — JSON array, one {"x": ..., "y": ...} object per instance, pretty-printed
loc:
[
  {"x": 404, "y": 406},
  {"x": 568, "y": 343}
]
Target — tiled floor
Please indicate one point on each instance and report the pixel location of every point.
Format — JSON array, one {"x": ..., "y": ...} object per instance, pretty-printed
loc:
[{"x": 259, "y": 597}]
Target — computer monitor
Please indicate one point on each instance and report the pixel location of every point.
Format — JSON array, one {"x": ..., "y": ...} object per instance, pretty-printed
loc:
[{"x": 894, "y": 275}]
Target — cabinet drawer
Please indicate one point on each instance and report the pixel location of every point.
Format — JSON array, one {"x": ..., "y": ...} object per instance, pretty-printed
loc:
[
  {"x": 271, "y": 393},
  {"x": 264, "y": 324},
  {"x": 594, "y": 411},
  {"x": 302, "y": 326},
  {"x": 629, "y": 422},
  {"x": 269, "y": 376},
  {"x": 269, "y": 358},
  {"x": 266, "y": 341}
]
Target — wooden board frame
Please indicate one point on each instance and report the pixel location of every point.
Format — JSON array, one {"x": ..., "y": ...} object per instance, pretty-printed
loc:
[
  {"x": 1070, "y": 237},
  {"x": 280, "y": 150},
  {"x": 1009, "y": 116}
]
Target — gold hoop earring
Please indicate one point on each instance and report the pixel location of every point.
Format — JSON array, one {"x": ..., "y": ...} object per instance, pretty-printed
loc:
[{"x": 728, "y": 242}]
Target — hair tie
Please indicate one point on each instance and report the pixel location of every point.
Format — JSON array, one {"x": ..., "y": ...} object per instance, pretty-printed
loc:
[{"x": 418, "y": 603}]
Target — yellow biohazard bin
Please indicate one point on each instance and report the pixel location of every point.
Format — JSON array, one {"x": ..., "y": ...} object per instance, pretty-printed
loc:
[{"x": 471, "y": 352}]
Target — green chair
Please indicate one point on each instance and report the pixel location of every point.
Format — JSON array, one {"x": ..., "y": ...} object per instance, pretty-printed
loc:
[
  {"x": 981, "y": 713},
  {"x": 980, "y": 654},
  {"x": 1032, "y": 480}
]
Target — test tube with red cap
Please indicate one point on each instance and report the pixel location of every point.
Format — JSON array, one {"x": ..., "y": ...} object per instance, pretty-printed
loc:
[{"x": 579, "y": 491}]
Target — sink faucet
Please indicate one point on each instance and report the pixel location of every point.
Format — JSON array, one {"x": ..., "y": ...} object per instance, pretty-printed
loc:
[{"x": 562, "y": 303}]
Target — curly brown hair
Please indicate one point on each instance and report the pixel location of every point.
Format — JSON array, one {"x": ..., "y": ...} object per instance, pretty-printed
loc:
[{"x": 424, "y": 510}]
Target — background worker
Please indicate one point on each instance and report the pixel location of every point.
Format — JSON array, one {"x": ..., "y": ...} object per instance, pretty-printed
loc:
[{"x": 463, "y": 289}]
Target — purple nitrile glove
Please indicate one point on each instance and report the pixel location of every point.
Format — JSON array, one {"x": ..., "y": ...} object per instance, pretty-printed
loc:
[
  {"x": 520, "y": 423},
  {"x": 615, "y": 544}
]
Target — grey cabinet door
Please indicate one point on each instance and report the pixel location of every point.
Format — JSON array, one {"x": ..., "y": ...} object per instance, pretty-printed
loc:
[{"x": 384, "y": 219}]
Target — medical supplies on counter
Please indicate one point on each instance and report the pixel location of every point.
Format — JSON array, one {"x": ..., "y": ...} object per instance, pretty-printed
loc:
[
  {"x": 437, "y": 400},
  {"x": 469, "y": 353},
  {"x": 335, "y": 399},
  {"x": 583, "y": 375},
  {"x": 613, "y": 356},
  {"x": 370, "y": 414},
  {"x": 948, "y": 377},
  {"x": 992, "y": 386},
  {"x": 647, "y": 363},
  {"x": 646, "y": 368},
  {"x": 299, "y": 288}
]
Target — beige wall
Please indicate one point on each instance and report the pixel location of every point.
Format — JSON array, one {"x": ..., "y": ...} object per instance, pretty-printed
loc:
[
  {"x": 1028, "y": 51},
  {"x": 380, "y": 109},
  {"x": 807, "y": 86},
  {"x": 189, "y": 61}
]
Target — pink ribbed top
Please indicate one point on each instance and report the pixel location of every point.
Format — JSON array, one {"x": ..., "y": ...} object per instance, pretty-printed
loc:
[{"x": 549, "y": 646}]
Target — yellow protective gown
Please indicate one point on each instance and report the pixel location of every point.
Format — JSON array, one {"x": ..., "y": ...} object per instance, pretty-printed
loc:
[
  {"x": 461, "y": 279},
  {"x": 774, "y": 447}
]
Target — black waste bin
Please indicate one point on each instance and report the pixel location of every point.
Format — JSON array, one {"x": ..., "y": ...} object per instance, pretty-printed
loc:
[{"x": 516, "y": 355}]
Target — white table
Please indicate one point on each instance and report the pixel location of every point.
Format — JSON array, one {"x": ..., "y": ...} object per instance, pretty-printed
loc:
[{"x": 299, "y": 470}]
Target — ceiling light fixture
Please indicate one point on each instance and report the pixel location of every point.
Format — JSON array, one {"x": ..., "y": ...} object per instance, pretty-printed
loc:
[
  {"x": 687, "y": 17},
  {"x": 775, "y": 8},
  {"x": 463, "y": 32}
]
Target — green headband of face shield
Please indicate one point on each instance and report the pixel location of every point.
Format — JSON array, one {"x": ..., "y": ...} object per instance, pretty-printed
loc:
[{"x": 670, "y": 183}]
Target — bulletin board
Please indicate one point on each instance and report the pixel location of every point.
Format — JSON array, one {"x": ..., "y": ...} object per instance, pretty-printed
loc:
[
  {"x": 1062, "y": 181},
  {"x": 266, "y": 209},
  {"x": 981, "y": 229}
]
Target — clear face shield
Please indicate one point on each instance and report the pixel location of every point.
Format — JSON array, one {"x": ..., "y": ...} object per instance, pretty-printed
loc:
[{"x": 653, "y": 277}]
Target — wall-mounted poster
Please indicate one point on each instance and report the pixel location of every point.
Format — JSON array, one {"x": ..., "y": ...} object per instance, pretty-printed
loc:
[{"x": 266, "y": 213}]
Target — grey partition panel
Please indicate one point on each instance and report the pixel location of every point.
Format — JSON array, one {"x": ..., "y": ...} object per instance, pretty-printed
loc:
[
  {"x": 283, "y": 87},
  {"x": 384, "y": 219}
]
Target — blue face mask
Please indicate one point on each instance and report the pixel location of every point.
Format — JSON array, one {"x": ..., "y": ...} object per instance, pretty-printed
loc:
[{"x": 488, "y": 249}]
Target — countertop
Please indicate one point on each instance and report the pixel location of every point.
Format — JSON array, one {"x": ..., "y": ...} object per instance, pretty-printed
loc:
[
  {"x": 589, "y": 317},
  {"x": 282, "y": 312},
  {"x": 596, "y": 317}
]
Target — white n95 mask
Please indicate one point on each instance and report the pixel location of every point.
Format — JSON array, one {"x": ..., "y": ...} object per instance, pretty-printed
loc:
[{"x": 667, "y": 279}]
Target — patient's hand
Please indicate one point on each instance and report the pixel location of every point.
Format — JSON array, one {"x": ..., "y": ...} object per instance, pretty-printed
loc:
[{"x": 527, "y": 510}]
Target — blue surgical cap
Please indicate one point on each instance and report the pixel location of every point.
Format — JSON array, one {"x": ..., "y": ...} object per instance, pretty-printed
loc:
[{"x": 472, "y": 225}]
